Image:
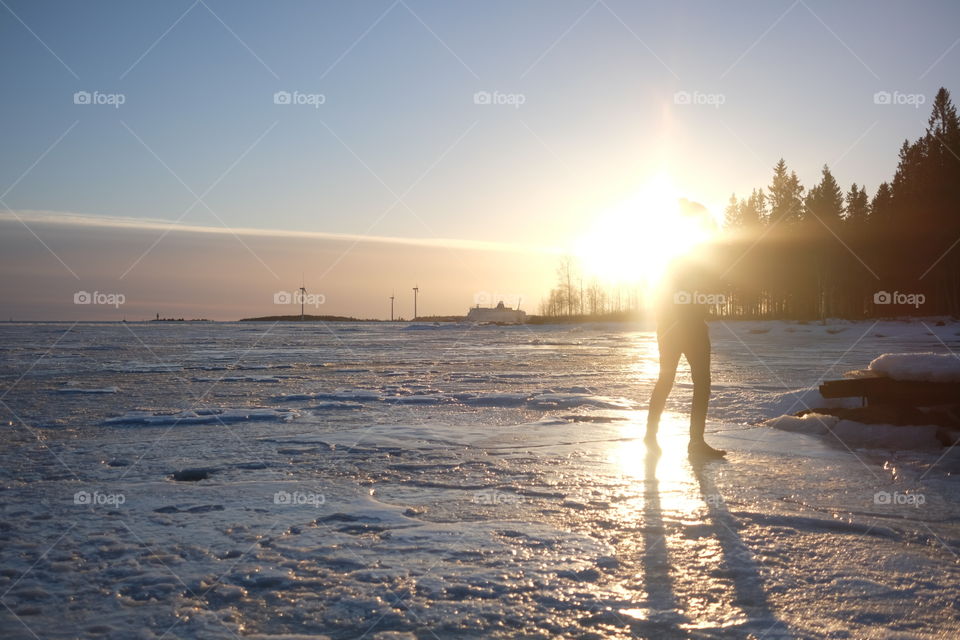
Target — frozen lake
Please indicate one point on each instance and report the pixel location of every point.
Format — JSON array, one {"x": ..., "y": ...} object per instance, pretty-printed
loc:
[{"x": 353, "y": 480}]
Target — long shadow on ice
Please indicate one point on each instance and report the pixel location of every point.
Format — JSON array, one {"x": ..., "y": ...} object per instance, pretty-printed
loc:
[
  {"x": 665, "y": 618},
  {"x": 738, "y": 563}
]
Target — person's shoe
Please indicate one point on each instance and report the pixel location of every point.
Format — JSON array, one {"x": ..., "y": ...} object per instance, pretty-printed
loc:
[{"x": 704, "y": 451}]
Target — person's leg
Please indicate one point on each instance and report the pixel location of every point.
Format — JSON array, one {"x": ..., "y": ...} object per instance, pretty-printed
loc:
[
  {"x": 697, "y": 351},
  {"x": 670, "y": 349}
]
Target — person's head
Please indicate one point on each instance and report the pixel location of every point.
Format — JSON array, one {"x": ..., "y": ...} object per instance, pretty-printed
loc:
[
  {"x": 691, "y": 209},
  {"x": 696, "y": 216}
]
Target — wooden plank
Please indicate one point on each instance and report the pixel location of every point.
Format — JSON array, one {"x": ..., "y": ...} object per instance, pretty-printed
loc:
[
  {"x": 854, "y": 388},
  {"x": 889, "y": 391}
]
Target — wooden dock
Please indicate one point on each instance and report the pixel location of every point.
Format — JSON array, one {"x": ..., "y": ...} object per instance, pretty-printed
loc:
[
  {"x": 877, "y": 389},
  {"x": 896, "y": 402}
]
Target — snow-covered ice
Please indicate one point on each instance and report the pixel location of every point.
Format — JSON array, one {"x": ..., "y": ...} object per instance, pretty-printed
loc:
[{"x": 461, "y": 482}]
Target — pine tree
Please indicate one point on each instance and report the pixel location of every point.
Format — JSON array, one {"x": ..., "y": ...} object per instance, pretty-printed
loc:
[
  {"x": 824, "y": 202},
  {"x": 857, "y": 207},
  {"x": 942, "y": 160},
  {"x": 754, "y": 211},
  {"x": 941, "y": 181},
  {"x": 943, "y": 122},
  {"x": 732, "y": 216},
  {"x": 882, "y": 204},
  {"x": 786, "y": 195}
]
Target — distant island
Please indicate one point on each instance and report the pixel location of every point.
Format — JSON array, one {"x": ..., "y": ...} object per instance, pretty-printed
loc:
[
  {"x": 309, "y": 318},
  {"x": 159, "y": 319},
  {"x": 616, "y": 316}
]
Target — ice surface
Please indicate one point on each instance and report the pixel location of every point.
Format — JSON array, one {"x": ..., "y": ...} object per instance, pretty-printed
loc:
[
  {"x": 446, "y": 482},
  {"x": 270, "y": 379},
  {"x": 202, "y": 416},
  {"x": 886, "y": 436}
]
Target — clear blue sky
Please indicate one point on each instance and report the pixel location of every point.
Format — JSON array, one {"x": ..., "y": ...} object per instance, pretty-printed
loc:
[{"x": 597, "y": 81}]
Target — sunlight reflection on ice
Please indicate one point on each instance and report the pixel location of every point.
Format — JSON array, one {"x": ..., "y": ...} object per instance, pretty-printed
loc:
[
  {"x": 644, "y": 362},
  {"x": 675, "y": 504}
]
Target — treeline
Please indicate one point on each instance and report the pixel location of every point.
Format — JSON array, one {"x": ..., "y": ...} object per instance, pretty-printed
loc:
[
  {"x": 825, "y": 251},
  {"x": 574, "y": 297},
  {"x": 791, "y": 252}
]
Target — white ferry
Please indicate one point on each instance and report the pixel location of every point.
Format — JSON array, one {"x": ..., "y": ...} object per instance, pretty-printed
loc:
[{"x": 501, "y": 314}]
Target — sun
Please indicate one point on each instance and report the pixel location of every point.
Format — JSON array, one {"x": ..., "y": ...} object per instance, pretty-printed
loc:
[{"x": 633, "y": 242}]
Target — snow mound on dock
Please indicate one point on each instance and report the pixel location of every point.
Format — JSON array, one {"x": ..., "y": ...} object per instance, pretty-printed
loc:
[{"x": 920, "y": 367}]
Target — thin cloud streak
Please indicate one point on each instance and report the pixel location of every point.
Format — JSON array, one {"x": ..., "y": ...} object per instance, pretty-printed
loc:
[{"x": 60, "y": 218}]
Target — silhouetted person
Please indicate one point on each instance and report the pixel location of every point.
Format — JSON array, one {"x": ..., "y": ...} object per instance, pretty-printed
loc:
[{"x": 682, "y": 331}]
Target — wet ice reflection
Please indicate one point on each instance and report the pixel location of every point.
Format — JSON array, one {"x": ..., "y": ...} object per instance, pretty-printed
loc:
[{"x": 688, "y": 579}]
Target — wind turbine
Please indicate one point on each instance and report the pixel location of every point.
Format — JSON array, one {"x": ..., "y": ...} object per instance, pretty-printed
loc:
[
  {"x": 415, "y": 291},
  {"x": 303, "y": 297},
  {"x": 391, "y": 306}
]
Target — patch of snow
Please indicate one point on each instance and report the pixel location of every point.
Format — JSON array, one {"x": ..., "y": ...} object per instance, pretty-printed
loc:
[
  {"x": 921, "y": 367},
  {"x": 813, "y": 423},
  {"x": 791, "y": 402}
]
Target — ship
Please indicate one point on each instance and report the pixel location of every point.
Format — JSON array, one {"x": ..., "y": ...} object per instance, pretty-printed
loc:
[{"x": 500, "y": 314}]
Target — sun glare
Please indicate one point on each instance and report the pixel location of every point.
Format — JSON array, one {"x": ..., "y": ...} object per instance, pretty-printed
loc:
[{"x": 633, "y": 242}]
